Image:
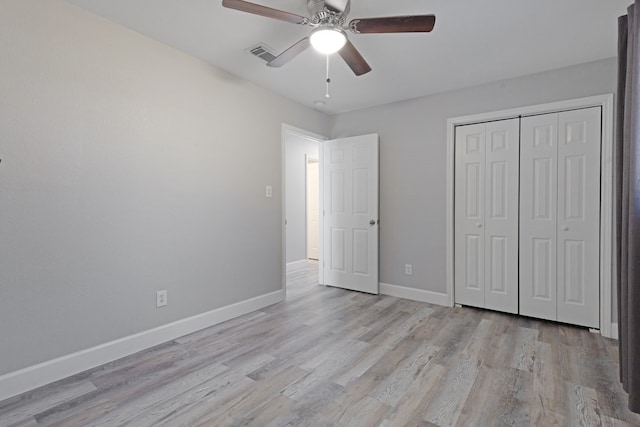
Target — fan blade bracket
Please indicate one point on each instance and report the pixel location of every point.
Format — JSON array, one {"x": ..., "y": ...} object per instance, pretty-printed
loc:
[{"x": 393, "y": 24}]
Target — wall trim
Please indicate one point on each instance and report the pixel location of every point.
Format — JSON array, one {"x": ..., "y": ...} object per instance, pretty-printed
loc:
[
  {"x": 23, "y": 380},
  {"x": 421, "y": 295},
  {"x": 607, "y": 255}
]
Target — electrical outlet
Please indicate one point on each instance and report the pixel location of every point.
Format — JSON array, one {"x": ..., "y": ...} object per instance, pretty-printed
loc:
[
  {"x": 161, "y": 298},
  {"x": 268, "y": 191},
  {"x": 408, "y": 269}
]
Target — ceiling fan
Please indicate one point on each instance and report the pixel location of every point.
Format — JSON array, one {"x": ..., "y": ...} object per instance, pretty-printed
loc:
[{"x": 328, "y": 18}]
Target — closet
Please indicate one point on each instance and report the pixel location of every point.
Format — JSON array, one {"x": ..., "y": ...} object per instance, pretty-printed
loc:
[{"x": 527, "y": 216}]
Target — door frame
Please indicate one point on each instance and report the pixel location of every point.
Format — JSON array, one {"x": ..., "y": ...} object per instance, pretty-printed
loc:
[
  {"x": 286, "y": 131},
  {"x": 608, "y": 327},
  {"x": 307, "y": 161}
]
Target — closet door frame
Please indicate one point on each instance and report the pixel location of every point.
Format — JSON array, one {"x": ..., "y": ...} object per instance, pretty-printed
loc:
[{"x": 607, "y": 222}]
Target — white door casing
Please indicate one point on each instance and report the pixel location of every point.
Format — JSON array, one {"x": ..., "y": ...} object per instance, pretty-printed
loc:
[
  {"x": 351, "y": 213},
  {"x": 313, "y": 208},
  {"x": 486, "y": 215}
]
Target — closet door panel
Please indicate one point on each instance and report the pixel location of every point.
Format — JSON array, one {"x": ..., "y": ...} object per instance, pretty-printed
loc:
[
  {"x": 579, "y": 217},
  {"x": 469, "y": 215},
  {"x": 538, "y": 216},
  {"x": 501, "y": 215}
]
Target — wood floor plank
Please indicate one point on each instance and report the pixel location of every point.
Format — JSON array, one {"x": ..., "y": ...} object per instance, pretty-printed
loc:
[
  {"x": 549, "y": 392},
  {"x": 524, "y": 355},
  {"x": 28, "y": 422},
  {"x": 585, "y": 402},
  {"x": 411, "y": 408},
  {"x": 365, "y": 411},
  {"x": 331, "y": 357},
  {"x": 23, "y": 410},
  {"x": 159, "y": 399},
  {"x": 393, "y": 388},
  {"x": 445, "y": 408}
]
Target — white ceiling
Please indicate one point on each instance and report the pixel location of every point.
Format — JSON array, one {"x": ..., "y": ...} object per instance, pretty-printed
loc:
[{"x": 473, "y": 42}]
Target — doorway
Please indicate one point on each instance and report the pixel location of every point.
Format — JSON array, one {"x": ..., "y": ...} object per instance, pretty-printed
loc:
[
  {"x": 302, "y": 206},
  {"x": 348, "y": 226}
]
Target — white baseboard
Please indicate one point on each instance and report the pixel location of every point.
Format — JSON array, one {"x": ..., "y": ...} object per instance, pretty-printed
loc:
[
  {"x": 614, "y": 331},
  {"x": 415, "y": 294},
  {"x": 297, "y": 264},
  {"x": 26, "y": 379}
]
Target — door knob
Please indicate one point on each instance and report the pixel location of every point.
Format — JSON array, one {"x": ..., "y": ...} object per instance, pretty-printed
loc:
[
  {"x": 479, "y": 225},
  {"x": 565, "y": 228},
  {"x": 372, "y": 222}
]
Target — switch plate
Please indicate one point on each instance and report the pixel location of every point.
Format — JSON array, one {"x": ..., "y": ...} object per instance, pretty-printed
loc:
[
  {"x": 268, "y": 191},
  {"x": 161, "y": 298},
  {"x": 408, "y": 269}
]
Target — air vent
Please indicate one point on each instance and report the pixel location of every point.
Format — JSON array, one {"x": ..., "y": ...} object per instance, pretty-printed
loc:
[{"x": 262, "y": 51}]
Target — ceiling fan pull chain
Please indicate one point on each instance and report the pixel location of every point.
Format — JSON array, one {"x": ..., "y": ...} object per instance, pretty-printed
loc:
[{"x": 328, "y": 79}]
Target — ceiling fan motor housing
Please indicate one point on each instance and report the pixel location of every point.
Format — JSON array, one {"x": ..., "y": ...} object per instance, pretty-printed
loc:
[{"x": 324, "y": 12}]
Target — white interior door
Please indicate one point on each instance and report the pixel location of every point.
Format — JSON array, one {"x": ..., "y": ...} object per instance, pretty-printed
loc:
[
  {"x": 313, "y": 208},
  {"x": 469, "y": 214},
  {"x": 538, "y": 216},
  {"x": 486, "y": 215},
  {"x": 579, "y": 217},
  {"x": 351, "y": 213}
]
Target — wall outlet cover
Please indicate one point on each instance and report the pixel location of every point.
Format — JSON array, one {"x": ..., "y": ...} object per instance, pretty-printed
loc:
[{"x": 161, "y": 298}]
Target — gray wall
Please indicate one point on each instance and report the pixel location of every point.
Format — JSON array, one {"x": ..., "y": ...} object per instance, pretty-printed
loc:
[
  {"x": 413, "y": 160},
  {"x": 127, "y": 167},
  {"x": 296, "y": 203}
]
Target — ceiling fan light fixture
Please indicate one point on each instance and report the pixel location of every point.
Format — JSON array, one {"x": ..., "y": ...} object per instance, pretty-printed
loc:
[{"x": 328, "y": 39}]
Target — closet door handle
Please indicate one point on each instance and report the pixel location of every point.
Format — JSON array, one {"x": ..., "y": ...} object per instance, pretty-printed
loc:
[
  {"x": 479, "y": 225},
  {"x": 565, "y": 228}
]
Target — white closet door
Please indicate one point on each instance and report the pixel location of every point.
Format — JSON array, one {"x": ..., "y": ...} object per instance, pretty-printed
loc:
[
  {"x": 501, "y": 215},
  {"x": 486, "y": 215},
  {"x": 469, "y": 214},
  {"x": 538, "y": 216},
  {"x": 579, "y": 217},
  {"x": 560, "y": 217}
]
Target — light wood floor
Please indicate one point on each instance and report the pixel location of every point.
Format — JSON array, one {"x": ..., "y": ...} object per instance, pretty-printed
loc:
[{"x": 333, "y": 357}]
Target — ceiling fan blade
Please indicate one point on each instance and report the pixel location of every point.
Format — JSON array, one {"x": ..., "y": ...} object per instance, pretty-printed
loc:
[
  {"x": 394, "y": 24},
  {"x": 256, "y": 9},
  {"x": 354, "y": 60},
  {"x": 290, "y": 53}
]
